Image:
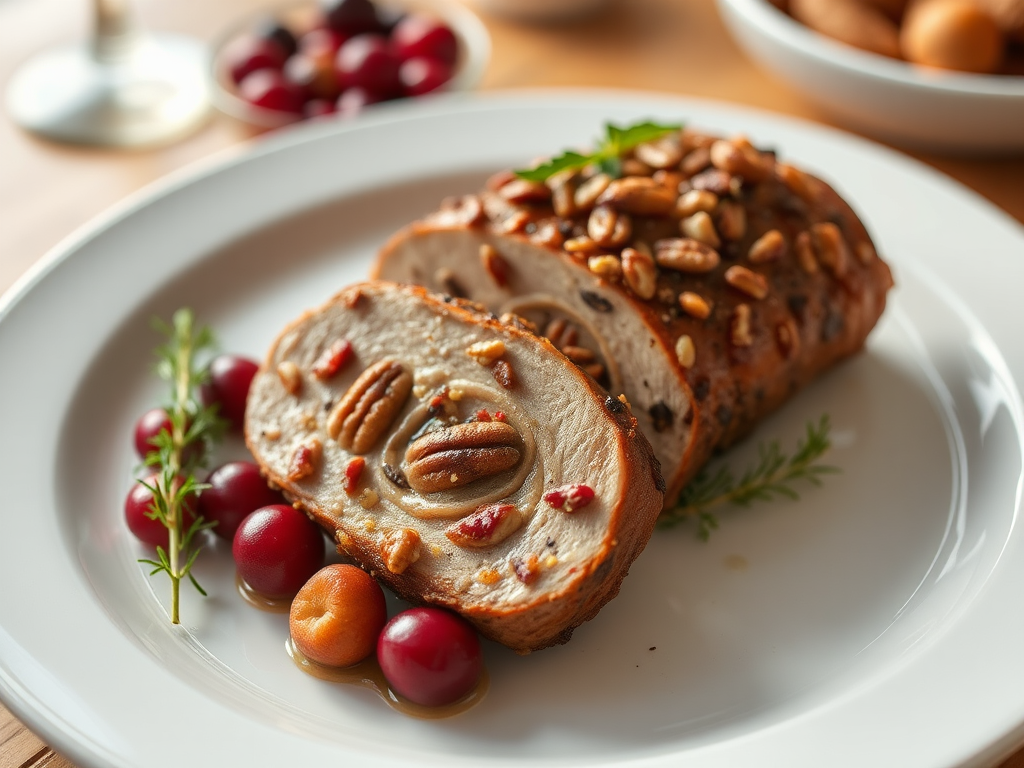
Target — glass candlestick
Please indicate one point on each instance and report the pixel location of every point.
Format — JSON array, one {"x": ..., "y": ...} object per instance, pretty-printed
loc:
[{"x": 122, "y": 88}]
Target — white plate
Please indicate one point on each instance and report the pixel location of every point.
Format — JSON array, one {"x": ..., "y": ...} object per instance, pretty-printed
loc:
[{"x": 878, "y": 621}]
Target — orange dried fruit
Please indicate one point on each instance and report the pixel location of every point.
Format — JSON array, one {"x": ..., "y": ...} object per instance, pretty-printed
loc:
[{"x": 337, "y": 615}]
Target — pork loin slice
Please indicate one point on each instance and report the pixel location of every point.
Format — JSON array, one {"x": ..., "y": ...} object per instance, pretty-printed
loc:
[
  {"x": 708, "y": 290},
  {"x": 461, "y": 460}
]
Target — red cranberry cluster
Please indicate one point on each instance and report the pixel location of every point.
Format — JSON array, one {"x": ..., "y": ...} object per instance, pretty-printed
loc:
[{"x": 356, "y": 54}]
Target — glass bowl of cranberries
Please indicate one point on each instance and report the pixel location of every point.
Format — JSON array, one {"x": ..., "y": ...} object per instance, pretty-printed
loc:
[{"x": 336, "y": 57}]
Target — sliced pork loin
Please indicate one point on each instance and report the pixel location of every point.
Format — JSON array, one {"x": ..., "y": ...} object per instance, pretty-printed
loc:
[
  {"x": 708, "y": 283},
  {"x": 461, "y": 460}
]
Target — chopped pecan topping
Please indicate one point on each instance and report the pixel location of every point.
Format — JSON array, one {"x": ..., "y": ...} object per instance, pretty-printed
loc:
[
  {"x": 747, "y": 281},
  {"x": 370, "y": 405},
  {"x": 333, "y": 359},
  {"x": 739, "y": 331},
  {"x": 713, "y": 180},
  {"x": 522, "y": 191},
  {"x": 489, "y": 524},
  {"x": 548, "y": 234},
  {"x": 570, "y": 497},
  {"x": 661, "y": 154},
  {"x": 503, "y": 374},
  {"x": 631, "y": 166},
  {"x": 494, "y": 264},
  {"x": 685, "y": 255},
  {"x": 581, "y": 245},
  {"x": 686, "y": 352},
  {"x": 486, "y": 352},
  {"x": 694, "y": 305},
  {"x": 399, "y": 549},
  {"x": 669, "y": 179},
  {"x": 805, "y": 253},
  {"x": 590, "y": 190},
  {"x": 732, "y": 220},
  {"x": 609, "y": 228},
  {"x": 830, "y": 247},
  {"x": 695, "y": 201},
  {"x": 291, "y": 377},
  {"x": 353, "y": 471},
  {"x": 696, "y": 161},
  {"x": 516, "y": 221},
  {"x": 740, "y": 159},
  {"x": 606, "y": 267},
  {"x": 768, "y": 247},
  {"x": 305, "y": 460},
  {"x": 640, "y": 272},
  {"x": 459, "y": 454},
  {"x": 701, "y": 228},
  {"x": 639, "y": 195},
  {"x": 563, "y": 199}
]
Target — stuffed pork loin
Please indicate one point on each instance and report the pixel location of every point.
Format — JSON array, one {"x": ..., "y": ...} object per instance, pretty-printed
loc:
[
  {"x": 461, "y": 460},
  {"x": 708, "y": 283}
]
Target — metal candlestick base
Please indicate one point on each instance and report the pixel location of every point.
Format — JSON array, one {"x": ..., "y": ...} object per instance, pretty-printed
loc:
[{"x": 153, "y": 92}]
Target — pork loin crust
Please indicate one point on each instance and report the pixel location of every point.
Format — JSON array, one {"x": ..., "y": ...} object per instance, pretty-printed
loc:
[
  {"x": 527, "y": 589},
  {"x": 704, "y": 345}
]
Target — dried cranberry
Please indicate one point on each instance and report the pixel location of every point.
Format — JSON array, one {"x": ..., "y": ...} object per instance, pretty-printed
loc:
[
  {"x": 228, "y": 385},
  {"x": 418, "y": 35},
  {"x": 422, "y": 75},
  {"x": 571, "y": 497},
  {"x": 430, "y": 656},
  {"x": 137, "y": 509},
  {"x": 268, "y": 88},
  {"x": 236, "y": 489},
  {"x": 277, "y": 549}
]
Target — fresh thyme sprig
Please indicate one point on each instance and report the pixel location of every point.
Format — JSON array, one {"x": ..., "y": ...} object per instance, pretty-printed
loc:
[
  {"x": 772, "y": 477},
  {"x": 616, "y": 142},
  {"x": 178, "y": 453}
]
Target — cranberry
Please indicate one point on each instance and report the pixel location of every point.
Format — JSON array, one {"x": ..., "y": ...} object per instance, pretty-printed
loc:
[
  {"x": 147, "y": 529},
  {"x": 367, "y": 61},
  {"x": 271, "y": 29},
  {"x": 351, "y": 17},
  {"x": 315, "y": 77},
  {"x": 277, "y": 549},
  {"x": 269, "y": 89},
  {"x": 228, "y": 385},
  {"x": 355, "y": 100},
  {"x": 236, "y": 489},
  {"x": 419, "y": 35},
  {"x": 420, "y": 76},
  {"x": 430, "y": 656},
  {"x": 250, "y": 54},
  {"x": 150, "y": 424}
]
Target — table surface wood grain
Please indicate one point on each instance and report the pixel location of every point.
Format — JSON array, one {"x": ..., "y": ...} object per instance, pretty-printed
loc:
[{"x": 47, "y": 191}]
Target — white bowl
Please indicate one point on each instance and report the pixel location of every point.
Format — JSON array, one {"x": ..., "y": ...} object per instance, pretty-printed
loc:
[{"x": 888, "y": 99}]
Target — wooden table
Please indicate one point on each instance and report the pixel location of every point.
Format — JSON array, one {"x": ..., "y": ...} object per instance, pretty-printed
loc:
[{"x": 47, "y": 191}]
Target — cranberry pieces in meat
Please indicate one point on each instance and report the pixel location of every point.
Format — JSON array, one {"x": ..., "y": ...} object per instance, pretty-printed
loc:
[
  {"x": 353, "y": 471},
  {"x": 230, "y": 378},
  {"x": 367, "y": 61},
  {"x": 333, "y": 359},
  {"x": 138, "y": 506},
  {"x": 430, "y": 656},
  {"x": 236, "y": 490},
  {"x": 277, "y": 549},
  {"x": 570, "y": 497},
  {"x": 418, "y": 35}
]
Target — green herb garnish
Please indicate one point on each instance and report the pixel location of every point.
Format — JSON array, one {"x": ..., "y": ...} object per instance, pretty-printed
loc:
[
  {"x": 616, "y": 142},
  {"x": 772, "y": 477},
  {"x": 177, "y": 454}
]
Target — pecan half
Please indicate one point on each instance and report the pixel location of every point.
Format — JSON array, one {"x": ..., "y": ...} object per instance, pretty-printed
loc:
[
  {"x": 685, "y": 254},
  {"x": 639, "y": 195},
  {"x": 488, "y": 525},
  {"x": 370, "y": 405},
  {"x": 460, "y": 454}
]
